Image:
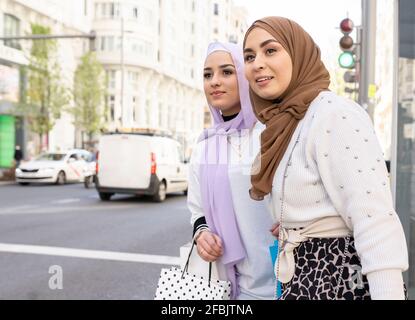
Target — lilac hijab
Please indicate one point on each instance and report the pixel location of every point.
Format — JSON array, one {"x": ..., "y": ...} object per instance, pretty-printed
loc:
[{"x": 217, "y": 199}]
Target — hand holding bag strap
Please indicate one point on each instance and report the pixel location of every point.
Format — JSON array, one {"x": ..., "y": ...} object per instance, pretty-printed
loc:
[{"x": 186, "y": 267}]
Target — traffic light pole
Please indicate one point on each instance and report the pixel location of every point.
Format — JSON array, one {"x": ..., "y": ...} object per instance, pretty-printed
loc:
[
  {"x": 367, "y": 59},
  {"x": 91, "y": 36}
]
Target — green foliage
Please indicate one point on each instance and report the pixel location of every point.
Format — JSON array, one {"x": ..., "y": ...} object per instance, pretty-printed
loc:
[
  {"x": 45, "y": 95},
  {"x": 89, "y": 95}
]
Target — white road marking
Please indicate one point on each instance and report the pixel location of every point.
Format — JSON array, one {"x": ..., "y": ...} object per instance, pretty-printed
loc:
[
  {"x": 17, "y": 208},
  {"x": 57, "y": 209},
  {"x": 89, "y": 254},
  {"x": 64, "y": 201}
]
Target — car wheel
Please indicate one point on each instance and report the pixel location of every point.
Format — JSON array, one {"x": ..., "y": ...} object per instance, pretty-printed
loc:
[
  {"x": 24, "y": 183},
  {"x": 61, "y": 179},
  {"x": 104, "y": 196},
  {"x": 185, "y": 192},
  {"x": 88, "y": 182},
  {"x": 160, "y": 195}
]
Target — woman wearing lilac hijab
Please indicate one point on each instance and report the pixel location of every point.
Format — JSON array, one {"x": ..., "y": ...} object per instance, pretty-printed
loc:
[{"x": 229, "y": 227}]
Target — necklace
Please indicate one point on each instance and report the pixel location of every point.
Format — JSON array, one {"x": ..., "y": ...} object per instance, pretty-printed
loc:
[{"x": 236, "y": 148}]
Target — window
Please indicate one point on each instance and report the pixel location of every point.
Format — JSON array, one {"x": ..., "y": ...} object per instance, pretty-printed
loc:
[
  {"x": 117, "y": 10},
  {"x": 111, "y": 79},
  {"x": 133, "y": 79},
  {"x": 108, "y": 43},
  {"x": 112, "y": 107},
  {"x": 216, "y": 9},
  {"x": 102, "y": 43},
  {"x": 135, "y": 108},
  {"x": 11, "y": 29},
  {"x": 112, "y": 12},
  {"x": 160, "y": 124},
  {"x": 107, "y": 10},
  {"x": 96, "y": 10},
  {"x": 135, "y": 12},
  {"x": 103, "y": 9},
  {"x": 74, "y": 156}
]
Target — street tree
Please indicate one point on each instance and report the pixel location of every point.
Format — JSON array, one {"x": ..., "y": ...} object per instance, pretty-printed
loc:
[
  {"x": 89, "y": 93},
  {"x": 46, "y": 95}
]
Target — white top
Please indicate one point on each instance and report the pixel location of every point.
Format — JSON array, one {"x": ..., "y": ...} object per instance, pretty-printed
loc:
[
  {"x": 337, "y": 169},
  {"x": 256, "y": 278}
]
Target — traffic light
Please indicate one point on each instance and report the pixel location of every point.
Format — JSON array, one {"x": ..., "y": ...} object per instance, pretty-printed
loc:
[
  {"x": 347, "y": 58},
  {"x": 350, "y": 76}
]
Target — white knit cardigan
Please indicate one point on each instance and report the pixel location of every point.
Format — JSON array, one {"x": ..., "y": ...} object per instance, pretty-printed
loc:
[{"x": 337, "y": 169}]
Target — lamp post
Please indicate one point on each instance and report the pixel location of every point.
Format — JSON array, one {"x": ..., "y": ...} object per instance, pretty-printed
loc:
[{"x": 122, "y": 65}]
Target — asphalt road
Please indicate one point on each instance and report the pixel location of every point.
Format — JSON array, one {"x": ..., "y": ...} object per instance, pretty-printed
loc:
[{"x": 62, "y": 242}]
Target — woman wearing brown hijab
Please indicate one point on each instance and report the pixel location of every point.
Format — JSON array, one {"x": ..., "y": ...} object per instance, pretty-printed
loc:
[{"x": 321, "y": 164}]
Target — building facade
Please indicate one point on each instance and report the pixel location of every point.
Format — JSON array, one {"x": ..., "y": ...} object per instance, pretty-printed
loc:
[
  {"x": 16, "y": 18},
  {"x": 153, "y": 52}
]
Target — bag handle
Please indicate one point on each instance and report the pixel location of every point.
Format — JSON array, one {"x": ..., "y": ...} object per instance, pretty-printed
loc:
[{"x": 186, "y": 267}]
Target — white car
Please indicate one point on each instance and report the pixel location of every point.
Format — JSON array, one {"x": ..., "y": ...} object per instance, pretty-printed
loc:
[{"x": 56, "y": 168}]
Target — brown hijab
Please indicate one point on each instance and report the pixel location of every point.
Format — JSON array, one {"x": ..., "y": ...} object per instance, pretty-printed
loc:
[{"x": 281, "y": 117}]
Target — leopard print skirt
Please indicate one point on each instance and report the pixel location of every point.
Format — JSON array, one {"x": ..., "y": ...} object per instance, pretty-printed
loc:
[{"x": 317, "y": 273}]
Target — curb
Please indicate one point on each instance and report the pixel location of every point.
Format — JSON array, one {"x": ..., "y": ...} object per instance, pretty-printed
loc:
[{"x": 6, "y": 183}]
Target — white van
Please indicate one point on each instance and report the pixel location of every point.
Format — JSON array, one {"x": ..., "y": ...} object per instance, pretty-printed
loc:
[{"x": 142, "y": 164}]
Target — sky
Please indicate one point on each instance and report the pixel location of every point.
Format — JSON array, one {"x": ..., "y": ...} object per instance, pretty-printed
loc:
[{"x": 320, "y": 18}]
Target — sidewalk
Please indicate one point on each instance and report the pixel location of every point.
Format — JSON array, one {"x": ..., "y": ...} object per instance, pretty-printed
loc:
[{"x": 5, "y": 183}]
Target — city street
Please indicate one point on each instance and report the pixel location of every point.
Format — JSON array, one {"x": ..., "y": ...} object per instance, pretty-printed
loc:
[{"x": 103, "y": 250}]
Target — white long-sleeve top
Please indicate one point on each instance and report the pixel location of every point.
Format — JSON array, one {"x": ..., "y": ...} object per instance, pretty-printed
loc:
[
  {"x": 255, "y": 272},
  {"x": 337, "y": 169}
]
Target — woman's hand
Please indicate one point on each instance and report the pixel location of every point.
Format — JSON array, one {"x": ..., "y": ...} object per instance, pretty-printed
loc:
[
  {"x": 275, "y": 230},
  {"x": 209, "y": 246}
]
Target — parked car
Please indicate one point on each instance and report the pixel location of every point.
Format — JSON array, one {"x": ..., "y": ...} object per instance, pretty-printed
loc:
[
  {"x": 56, "y": 168},
  {"x": 90, "y": 172},
  {"x": 141, "y": 164}
]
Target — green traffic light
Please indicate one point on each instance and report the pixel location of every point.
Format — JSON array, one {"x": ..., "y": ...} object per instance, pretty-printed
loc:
[{"x": 346, "y": 60}]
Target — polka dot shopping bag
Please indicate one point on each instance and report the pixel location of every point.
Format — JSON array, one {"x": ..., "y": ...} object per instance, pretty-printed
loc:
[{"x": 177, "y": 284}]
